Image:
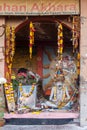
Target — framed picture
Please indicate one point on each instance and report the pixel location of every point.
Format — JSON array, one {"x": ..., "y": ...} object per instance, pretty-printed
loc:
[{"x": 27, "y": 96}]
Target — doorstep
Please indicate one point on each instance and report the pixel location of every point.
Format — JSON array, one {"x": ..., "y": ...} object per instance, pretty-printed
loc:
[{"x": 44, "y": 115}]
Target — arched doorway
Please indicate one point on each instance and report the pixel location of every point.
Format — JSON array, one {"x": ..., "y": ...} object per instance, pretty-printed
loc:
[
  {"x": 45, "y": 35},
  {"x": 44, "y": 49}
]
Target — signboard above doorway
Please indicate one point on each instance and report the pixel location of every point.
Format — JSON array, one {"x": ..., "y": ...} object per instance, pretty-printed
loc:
[{"x": 39, "y": 7}]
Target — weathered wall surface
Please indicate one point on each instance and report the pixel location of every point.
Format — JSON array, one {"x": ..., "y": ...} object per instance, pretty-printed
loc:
[
  {"x": 83, "y": 69},
  {"x": 2, "y": 40}
]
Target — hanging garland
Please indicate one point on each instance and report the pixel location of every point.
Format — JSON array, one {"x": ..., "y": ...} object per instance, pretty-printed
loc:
[
  {"x": 10, "y": 49},
  {"x": 75, "y": 33},
  {"x": 75, "y": 41},
  {"x": 7, "y": 43},
  {"x": 9, "y": 92},
  {"x": 8, "y": 36},
  {"x": 9, "y": 53},
  {"x": 78, "y": 63},
  {"x": 12, "y": 43},
  {"x": 60, "y": 41},
  {"x": 31, "y": 36},
  {"x": 30, "y": 93}
]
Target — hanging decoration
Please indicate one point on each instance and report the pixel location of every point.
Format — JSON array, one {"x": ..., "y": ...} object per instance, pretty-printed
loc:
[
  {"x": 60, "y": 41},
  {"x": 10, "y": 49},
  {"x": 9, "y": 53},
  {"x": 7, "y": 49},
  {"x": 75, "y": 36},
  {"x": 78, "y": 63},
  {"x": 12, "y": 43},
  {"x": 31, "y": 36},
  {"x": 9, "y": 92},
  {"x": 75, "y": 33},
  {"x": 24, "y": 94}
]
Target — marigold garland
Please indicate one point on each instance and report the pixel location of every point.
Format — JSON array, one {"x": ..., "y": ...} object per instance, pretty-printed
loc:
[
  {"x": 7, "y": 50},
  {"x": 24, "y": 94},
  {"x": 9, "y": 96},
  {"x": 9, "y": 53},
  {"x": 7, "y": 43},
  {"x": 13, "y": 43},
  {"x": 31, "y": 36},
  {"x": 60, "y": 40},
  {"x": 10, "y": 49}
]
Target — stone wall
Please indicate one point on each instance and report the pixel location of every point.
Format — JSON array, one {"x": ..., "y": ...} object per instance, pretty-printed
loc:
[{"x": 83, "y": 69}]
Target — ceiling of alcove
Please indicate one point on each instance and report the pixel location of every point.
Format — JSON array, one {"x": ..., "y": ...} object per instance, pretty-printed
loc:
[{"x": 45, "y": 32}]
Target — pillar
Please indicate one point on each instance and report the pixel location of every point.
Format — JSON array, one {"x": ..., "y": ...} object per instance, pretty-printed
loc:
[{"x": 83, "y": 65}]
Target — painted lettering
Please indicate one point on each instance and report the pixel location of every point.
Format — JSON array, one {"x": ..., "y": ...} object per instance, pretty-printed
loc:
[
  {"x": 35, "y": 7},
  {"x": 73, "y": 7},
  {"x": 22, "y": 8},
  {"x": 0, "y": 8},
  {"x": 51, "y": 7},
  {"x": 14, "y": 8},
  {"x": 59, "y": 8},
  {"x": 6, "y": 7},
  {"x": 43, "y": 7},
  {"x": 70, "y": 7},
  {"x": 66, "y": 7}
]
